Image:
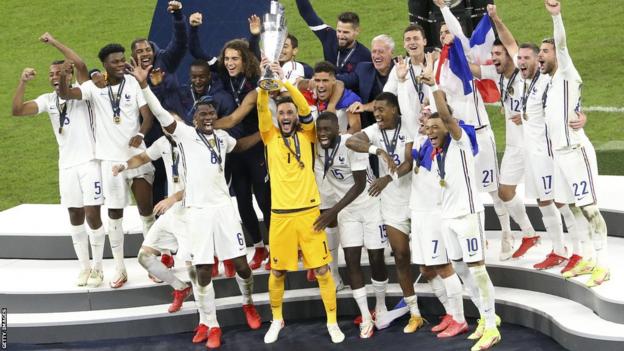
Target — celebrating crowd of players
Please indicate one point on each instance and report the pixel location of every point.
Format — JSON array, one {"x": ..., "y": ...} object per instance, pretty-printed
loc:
[{"x": 362, "y": 150}]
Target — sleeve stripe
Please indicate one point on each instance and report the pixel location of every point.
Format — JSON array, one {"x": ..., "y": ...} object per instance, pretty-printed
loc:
[
  {"x": 319, "y": 27},
  {"x": 306, "y": 119}
]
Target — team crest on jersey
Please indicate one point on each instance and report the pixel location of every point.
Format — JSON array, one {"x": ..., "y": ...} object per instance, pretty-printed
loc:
[
  {"x": 341, "y": 159},
  {"x": 127, "y": 96}
]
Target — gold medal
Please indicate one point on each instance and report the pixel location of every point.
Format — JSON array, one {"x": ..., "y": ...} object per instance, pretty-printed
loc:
[
  {"x": 61, "y": 130},
  {"x": 176, "y": 179},
  {"x": 116, "y": 119},
  {"x": 301, "y": 165},
  {"x": 442, "y": 183},
  {"x": 510, "y": 90}
]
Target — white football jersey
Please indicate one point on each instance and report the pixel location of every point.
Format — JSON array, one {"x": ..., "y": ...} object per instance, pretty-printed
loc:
[
  {"x": 417, "y": 89},
  {"x": 203, "y": 175},
  {"x": 459, "y": 193},
  {"x": 426, "y": 193},
  {"x": 292, "y": 71},
  {"x": 340, "y": 173},
  {"x": 111, "y": 139},
  {"x": 169, "y": 153},
  {"x": 469, "y": 108},
  {"x": 533, "y": 122},
  {"x": 511, "y": 95},
  {"x": 397, "y": 191},
  {"x": 343, "y": 119},
  {"x": 563, "y": 96},
  {"x": 76, "y": 142}
]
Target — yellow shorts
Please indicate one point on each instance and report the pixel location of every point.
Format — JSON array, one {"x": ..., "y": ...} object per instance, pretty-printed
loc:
[{"x": 290, "y": 232}]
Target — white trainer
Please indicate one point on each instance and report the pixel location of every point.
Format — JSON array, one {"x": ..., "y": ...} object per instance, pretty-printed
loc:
[
  {"x": 273, "y": 333},
  {"x": 335, "y": 333},
  {"x": 95, "y": 278},
  {"x": 83, "y": 276},
  {"x": 366, "y": 329},
  {"x": 120, "y": 278},
  {"x": 507, "y": 243}
]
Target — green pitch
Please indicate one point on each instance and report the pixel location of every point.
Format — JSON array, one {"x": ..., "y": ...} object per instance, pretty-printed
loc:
[{"x": 29, "y": 166}]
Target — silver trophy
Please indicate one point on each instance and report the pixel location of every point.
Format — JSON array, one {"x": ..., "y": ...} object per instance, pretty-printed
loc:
[{"x": 273, "y": 36}]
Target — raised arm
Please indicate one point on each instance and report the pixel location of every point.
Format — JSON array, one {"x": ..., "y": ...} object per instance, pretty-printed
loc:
[
  {"x": 65, "y": 90},
  {"x": 234, "y": 118},
  {"x": 154, "y": 108},
  {"x": 564, "y": 61},
  {"x": 174, "y": 52},
  {"x": 265, "y": 119},
  {"x": 21, "y": 108},
  {"x": 255, "y": 29},
  {"x": 195, "y": 47},
  {"x": 82, "y": 74},
  {"x": 316, "y": 24},
  {"x": 445, "y": 114},
  {"x": 503, "y": 32},
  {"x": 453, "y": 24}
]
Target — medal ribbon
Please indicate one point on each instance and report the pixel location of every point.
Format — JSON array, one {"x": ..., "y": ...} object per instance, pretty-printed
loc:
[
  {"x": 527, "y": 92},
  {"x": 235, "y": 92},
  {"x": 441, "y": 158},
  {"x": 215, "y": 153},
  {"x": 505, "y": 93},
  {"x": 329, "y": 158},
  {"x": 62, "y": 113},
  {"x": 115, "y": 99},
  {"x": 391, "y": 146},
  {"x": 418, "y": 86},
  {"x": 297, "y": 151}
]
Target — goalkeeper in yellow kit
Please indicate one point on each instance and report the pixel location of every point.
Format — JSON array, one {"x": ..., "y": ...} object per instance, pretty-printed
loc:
[{"x": 294, "y": 203}]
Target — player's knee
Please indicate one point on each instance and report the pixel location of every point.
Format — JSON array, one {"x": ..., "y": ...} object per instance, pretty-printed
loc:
[
  {"x": 541, "y": 203},
  {"x": 115, "y": 213},
  {"x": 427, "y": 272},
  {"x": 145, "y": 256},
  {"x": 204, "y": 274},
  {"x": 277, "y": 274},
  {"x": 321, "y": 270},
  {"x": 242, "y": 267},
  {"x": 402, "y": 258},
  {"x": 92, "y": 215},
  {"x": 444, "y": 270},
  {"x": 590, "y": 211},
  {"x": 76, "y": 215},
  {"x": 506, "y": 193},
  {"x": 575, "y": 210}
]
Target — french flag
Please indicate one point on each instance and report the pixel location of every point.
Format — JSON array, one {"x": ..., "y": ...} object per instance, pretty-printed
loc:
[
  {"x": 481, "y": 43},
  {"x": 453, "y": 74}
]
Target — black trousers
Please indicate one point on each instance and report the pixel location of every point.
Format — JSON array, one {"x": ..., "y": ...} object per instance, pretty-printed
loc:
[{"x": 250, "y": 176}]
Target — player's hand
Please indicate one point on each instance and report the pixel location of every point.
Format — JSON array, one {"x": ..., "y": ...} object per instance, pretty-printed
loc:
[
  {"x": 401, "y": 68},
  {"x": 277, "y": 70},
  {"x": 325, "y": 219},
  {"x": 118, "y": 169},
  {"x": 139, "y": 72},
  {"x": 440, "y": 3},
  {"x": 356, "y": 107},
  {"x": 491, "y": 10},
  {"x": 255, "y": 25},
  {"x": 580, "y": 122},
  {"x": 163, "y": 205},
  {"x": 67, "y": 67},
  {"x": 427, "y": 73},
  {"x": 195, "y": 20},
  {"x": 173, "y": 6},
  {"x": 553, "y": 7},
  {"x": 47, "y": 38},
  {"x": 389, "y": 161},
  {"x": 135, "y": 141},
  {"x": 28, "y": 74},
  {"x": 516, "y": 119},
  {"x": 379, "y": 185}
]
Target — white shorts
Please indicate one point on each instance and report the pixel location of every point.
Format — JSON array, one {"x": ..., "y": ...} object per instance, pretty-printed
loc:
[
  {"x": 512, "y": 166},
  {"x": 538, "y": 177},
  {"x": 117, "y": 189},
  {"x": 81, "y": 185},
  {"x": 486, "y": 163},
  {"x": 463, "y": 238},
  {"x": 363, "y": 226},
  {"x": 426, "y": 242},
  {"x": 396, "y": 216},
  {"x": 214, "y": 231},
  {"x": 575, "y": 173},
  {"x": 162, "y": 235}
]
